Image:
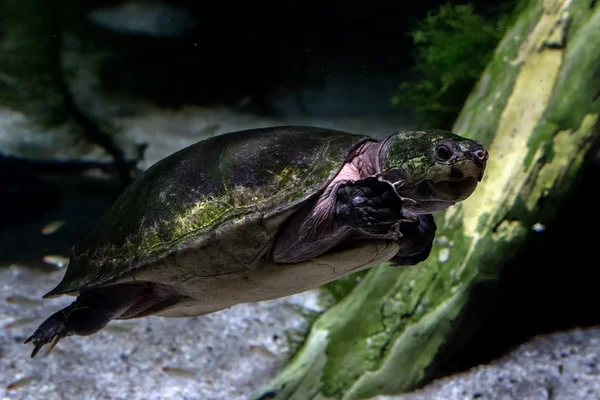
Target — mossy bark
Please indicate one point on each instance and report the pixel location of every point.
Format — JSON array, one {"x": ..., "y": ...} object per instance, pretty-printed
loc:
[{"x": 536, "y": 109}]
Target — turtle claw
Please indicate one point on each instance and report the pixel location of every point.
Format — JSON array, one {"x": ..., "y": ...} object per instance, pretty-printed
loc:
[
  {"x": 408, "y": 200},
  {"x": 53, "y": 343},
  {"x": 50, "y": 332}
]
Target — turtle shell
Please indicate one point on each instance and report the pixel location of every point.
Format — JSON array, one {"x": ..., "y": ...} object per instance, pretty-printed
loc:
[{"x": 223, "y": 184}]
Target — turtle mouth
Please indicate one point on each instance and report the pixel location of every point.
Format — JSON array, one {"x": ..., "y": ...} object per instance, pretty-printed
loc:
[
  {"x": 464, "y": 169},
  {"x": 454, "y": 191},
  {"x": 446, "y": 185},
  {"x": 457, "y": 181}
]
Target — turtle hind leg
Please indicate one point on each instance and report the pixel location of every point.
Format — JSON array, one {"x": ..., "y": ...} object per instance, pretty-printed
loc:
[
  {"x": 95, "y": 308},
  {"x": 71, "y": 320},
  {"x": 49, "y": 332}
]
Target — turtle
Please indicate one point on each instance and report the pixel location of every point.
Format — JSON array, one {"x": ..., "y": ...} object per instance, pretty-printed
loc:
[{"x": 261, "y": 214}]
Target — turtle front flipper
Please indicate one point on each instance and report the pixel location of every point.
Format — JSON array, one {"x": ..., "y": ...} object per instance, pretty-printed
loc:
[
  {"x": 367, "y": 208},
  {"x": 416, "y": 241},
  {"x": 371, "y": 206}
]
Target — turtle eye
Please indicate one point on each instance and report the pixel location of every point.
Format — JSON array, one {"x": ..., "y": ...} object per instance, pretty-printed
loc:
[{"x": 443, "y": 152}]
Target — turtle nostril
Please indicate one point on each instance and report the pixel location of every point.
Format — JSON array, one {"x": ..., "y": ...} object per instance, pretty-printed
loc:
[{"x": 481, "y": 155}]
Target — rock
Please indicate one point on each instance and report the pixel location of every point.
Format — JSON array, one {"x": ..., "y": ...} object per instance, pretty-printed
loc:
[{"x": 563, "y": 366}]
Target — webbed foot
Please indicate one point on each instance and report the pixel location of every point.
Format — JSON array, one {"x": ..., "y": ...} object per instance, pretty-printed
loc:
[
  {"x": 371, "y": 206},
  {"x": 49, "y": 332}
]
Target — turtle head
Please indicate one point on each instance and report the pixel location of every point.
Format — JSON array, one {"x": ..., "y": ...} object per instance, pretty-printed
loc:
[{"x": 434, "y": 167}]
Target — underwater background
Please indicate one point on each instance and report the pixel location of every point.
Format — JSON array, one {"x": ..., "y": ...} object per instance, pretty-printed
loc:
[{"x": 94, "y": 93}]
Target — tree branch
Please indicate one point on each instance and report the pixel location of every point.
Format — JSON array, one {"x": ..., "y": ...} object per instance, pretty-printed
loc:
[{"x": 89, "y": 128}]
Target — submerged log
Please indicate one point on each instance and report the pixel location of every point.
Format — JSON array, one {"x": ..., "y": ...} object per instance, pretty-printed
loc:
[{"x": 536, "y": 110}]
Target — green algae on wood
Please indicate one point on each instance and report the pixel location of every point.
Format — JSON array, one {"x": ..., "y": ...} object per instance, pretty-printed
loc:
[{"x": 536, "y": 109}]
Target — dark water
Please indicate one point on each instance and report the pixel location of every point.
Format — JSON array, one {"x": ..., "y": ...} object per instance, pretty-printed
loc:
[{"x": 79, "y": 201}]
